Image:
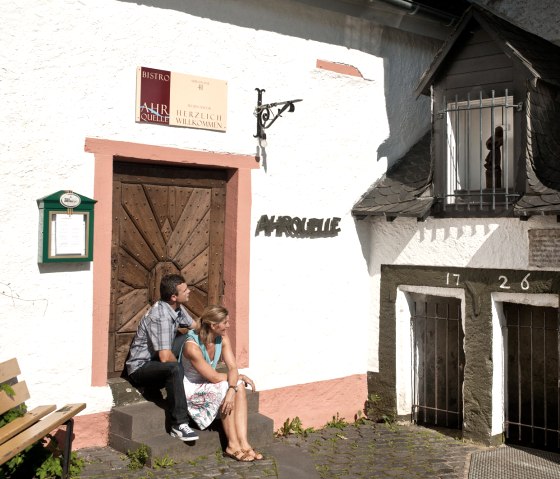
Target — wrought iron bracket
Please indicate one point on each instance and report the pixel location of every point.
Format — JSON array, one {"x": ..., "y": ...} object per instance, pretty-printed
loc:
[{"x": 266, "y": 116}]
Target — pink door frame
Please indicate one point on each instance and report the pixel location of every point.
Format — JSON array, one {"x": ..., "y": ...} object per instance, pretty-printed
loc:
[{"x": 236, "y": 241}]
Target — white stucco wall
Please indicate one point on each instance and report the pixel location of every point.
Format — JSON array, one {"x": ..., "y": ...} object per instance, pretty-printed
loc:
[
  {"x": 68, "y": 72},
  {"x": 501, "y": 243}
]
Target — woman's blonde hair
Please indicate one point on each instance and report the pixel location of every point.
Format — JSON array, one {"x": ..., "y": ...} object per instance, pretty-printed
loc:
[{"x": 212, "y": 314}]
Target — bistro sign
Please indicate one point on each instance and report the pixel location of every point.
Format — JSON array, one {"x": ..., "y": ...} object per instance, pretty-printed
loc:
[
  {"x": 177, "y": 99},
  {"x": 298, "y": 227}
]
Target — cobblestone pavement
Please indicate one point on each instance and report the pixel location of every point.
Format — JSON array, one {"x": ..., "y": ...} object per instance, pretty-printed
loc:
[
  {"x": 387, "y": 451},
  {"x": 365, "y": 451},
  {"x": 107, "y": 463}
]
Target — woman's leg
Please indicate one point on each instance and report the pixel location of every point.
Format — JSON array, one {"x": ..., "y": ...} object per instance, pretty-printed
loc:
[
  {"x": 235, "y": 428},
  {"x": 235, "y": 447},
  {"x": 228, "y": 421},
  {"x": 240, "y": 414}
]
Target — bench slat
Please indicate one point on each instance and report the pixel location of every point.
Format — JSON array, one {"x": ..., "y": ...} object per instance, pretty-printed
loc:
[
  {"x": 21, "y": 395},
  {"x": 9, "y": 369},
  {"x": 17, "y": 425},
  {"x": 39, "y": 430}
]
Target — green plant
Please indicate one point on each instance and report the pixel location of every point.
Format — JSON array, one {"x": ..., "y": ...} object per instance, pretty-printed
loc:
[
  {"x": 359, "y": 419},
  {"x": 139, "y": 457},
  {"x": 375, "y": 408},
  {"x": 293, "y": 426},
  {"x": 337, "y": 422},
  {"x": 196, "y": 461},
  {"x": 9, "y": 390},
  {"x": 163, "y": 462},
  {"x": 41, "y": 460},
  {"x": 389, "y": 418},
  {"x": 12, "y": 414},
  {"x": 323, "y": 470},
  {"x": 390, "y": 421}
]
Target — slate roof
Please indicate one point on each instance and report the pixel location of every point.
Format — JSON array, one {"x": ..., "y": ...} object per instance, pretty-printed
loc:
[
  {"x": 405, "y": 190},
  {"x": 539, "y": 56},
  {"x": 542, "y": 194}
]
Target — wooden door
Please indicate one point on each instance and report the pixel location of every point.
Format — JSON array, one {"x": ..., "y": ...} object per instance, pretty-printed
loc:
[
  {"x": 166, "y": 219},
  {"x": 438, "y": 361},
  {"x": 532, "y": 402}
]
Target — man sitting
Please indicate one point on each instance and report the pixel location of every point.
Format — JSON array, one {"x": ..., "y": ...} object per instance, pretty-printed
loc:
[{"x": 151, "y": 360}]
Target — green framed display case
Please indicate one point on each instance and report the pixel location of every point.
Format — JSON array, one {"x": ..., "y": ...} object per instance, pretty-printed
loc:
[{"x": 65, "y": 227}]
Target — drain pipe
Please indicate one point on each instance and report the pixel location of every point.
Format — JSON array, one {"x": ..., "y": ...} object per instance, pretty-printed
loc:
[{"x": 414, "y": 8}]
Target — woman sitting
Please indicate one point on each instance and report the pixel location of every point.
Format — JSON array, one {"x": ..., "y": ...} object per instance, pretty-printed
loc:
[{"x": 208, "y": 391}]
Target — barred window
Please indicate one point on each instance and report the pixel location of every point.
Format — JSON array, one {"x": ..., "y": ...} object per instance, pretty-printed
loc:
[{"x": 480, "y": 152}]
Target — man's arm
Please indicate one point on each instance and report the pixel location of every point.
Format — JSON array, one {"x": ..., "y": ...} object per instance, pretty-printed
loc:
[{"x": 167, "y": 356}]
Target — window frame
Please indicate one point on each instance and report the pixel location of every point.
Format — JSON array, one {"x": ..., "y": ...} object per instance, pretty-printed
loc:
[{"x": 440, "y": 99}]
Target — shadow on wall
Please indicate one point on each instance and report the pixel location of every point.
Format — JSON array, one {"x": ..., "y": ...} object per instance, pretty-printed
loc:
[
  {"x": 385, "y": 242},
  {"x": 505, "y": 246},
  {"x": 382, "y": 242},
  {"x": 405, "y": 55},
  {"x": 459, "y": 237},
  {"x": 405, "y": 58},
  {"x": 287, "y": 18},
  {"x": 460, "y": 229},
  {"x": 364, "y": 229}
]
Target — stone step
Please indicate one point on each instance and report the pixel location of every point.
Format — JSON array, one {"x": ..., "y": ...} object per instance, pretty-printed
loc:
[
  {"x": 210, "y": 442},
  {"x": 144, "y": 422}
]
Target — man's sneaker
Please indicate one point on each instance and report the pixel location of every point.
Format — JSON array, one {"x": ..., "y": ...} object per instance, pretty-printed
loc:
[{"x": 183, "y": 432}]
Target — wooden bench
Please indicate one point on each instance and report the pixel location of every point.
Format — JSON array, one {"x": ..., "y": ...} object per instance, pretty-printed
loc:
[{"x": 35, "y": 424}]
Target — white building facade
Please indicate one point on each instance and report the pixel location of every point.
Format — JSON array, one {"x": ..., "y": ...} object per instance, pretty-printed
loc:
[
  {"x": 466, "y": 295},
  {"x": 305, "y": 310},
  {"x": 301, "y": 307}
]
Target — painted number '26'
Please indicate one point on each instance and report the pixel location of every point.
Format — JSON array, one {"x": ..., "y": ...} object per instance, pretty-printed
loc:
[{"x": 524, "y": 282}]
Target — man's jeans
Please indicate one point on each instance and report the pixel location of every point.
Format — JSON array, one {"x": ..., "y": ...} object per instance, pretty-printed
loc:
[{"x": 154, "y": 374}]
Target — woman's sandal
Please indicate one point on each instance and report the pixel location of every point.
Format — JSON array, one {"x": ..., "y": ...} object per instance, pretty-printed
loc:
[
  {"x": 240, "y": 456},
  {"x": 257, "y": 456}
]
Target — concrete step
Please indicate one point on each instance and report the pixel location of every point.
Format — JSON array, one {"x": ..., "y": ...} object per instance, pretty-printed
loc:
[
  {"x": 210, "y": 441},
  {"x": 123, "y": 392},
  {"x": 133, "y": 425}
]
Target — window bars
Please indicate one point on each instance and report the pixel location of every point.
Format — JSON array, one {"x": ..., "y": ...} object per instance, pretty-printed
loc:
[
  {"x": 532, "y": 397},
  {"x": 479, "y": 151}
]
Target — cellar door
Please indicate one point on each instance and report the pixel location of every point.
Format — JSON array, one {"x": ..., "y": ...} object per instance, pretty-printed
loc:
[{"x": 438, "y": 361}]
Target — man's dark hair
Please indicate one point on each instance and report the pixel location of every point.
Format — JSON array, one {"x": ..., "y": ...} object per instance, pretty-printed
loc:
[{"x": 168, "y": 285}]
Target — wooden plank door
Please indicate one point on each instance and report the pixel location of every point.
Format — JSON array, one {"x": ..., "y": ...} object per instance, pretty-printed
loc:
[{"x": 166, "y": 219}]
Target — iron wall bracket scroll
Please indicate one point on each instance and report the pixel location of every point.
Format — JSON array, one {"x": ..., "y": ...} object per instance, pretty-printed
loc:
[{"x": 266, "y": 116}]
